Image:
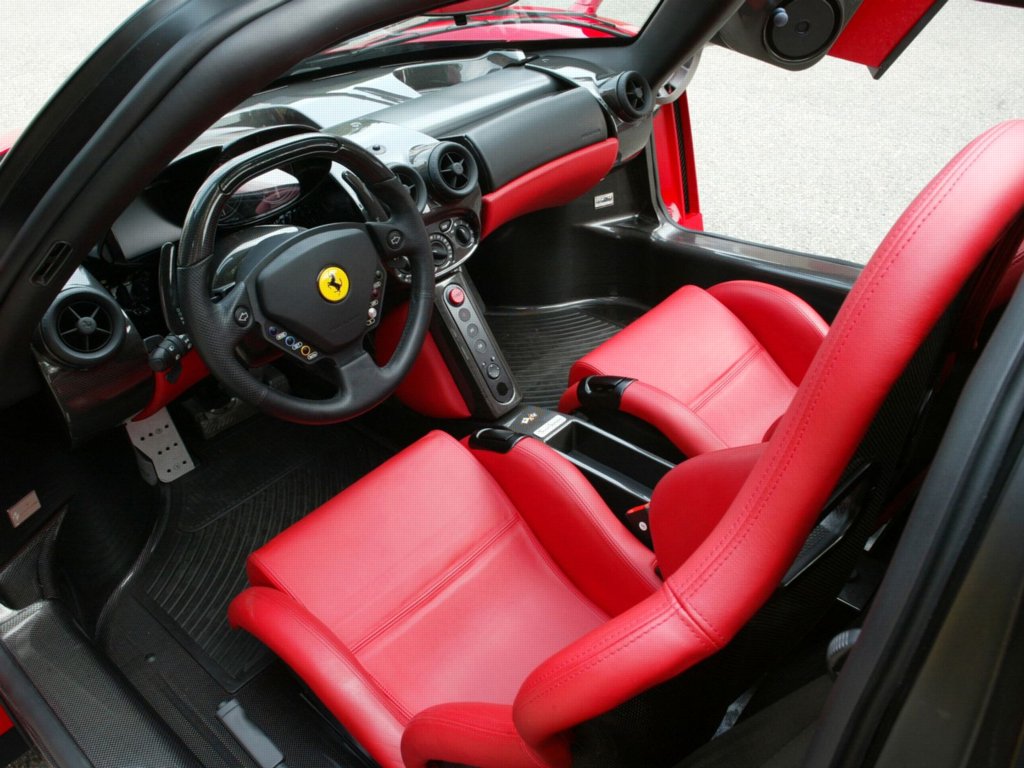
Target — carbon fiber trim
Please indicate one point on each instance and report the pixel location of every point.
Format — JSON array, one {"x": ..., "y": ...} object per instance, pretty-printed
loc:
[{"x": 104, "y": 717}]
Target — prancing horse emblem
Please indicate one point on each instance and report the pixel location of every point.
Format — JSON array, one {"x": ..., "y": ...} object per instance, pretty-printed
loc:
[{"x": 333, "y": 284}]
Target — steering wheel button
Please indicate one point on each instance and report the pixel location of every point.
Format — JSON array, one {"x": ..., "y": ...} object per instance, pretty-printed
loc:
[
  {"x": 464, "y": 315},
  {"x": 371, "y": 313},
  {"x": 472, "y": 330},
  {"x": 456, "y": 296},
  {"x": 493, "y": 371}
]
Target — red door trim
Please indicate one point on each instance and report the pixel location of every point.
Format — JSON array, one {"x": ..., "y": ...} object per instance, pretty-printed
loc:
[
  {"x": 880, "y": 30},
  {"x": 677, "y": 168},
  {"x": 556, "y": 183}
]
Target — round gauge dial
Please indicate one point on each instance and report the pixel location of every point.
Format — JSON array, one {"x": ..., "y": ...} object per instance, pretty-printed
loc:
[{"x": 442, "y": 249}]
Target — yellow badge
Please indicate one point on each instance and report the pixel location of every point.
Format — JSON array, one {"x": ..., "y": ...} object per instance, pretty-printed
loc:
[{"x": 333, "y": 284}]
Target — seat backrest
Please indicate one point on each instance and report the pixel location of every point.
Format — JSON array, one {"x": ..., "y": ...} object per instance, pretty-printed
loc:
[{"x": 917, "y": 272}]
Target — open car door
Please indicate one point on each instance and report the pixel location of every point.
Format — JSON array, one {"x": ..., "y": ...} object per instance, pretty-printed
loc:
[{"x": 880, "y": 30}]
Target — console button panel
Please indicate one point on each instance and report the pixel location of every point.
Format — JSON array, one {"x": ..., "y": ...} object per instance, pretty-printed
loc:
[
  {"x": 452, "y": 241},
  {"x": 292, "y": 344},
  {"x": 462, "y": 314}
]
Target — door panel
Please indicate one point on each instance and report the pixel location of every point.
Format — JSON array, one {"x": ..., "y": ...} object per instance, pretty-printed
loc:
[{"x": 880, "y": 31}]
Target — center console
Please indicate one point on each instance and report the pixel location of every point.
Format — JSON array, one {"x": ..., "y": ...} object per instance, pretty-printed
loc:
[
  {"x": 472, "y": 351},
  {"x": 622, "y": 473}
]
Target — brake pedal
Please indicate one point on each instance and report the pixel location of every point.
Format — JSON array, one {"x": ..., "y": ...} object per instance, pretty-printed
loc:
[{"x": 158, "y": 440}]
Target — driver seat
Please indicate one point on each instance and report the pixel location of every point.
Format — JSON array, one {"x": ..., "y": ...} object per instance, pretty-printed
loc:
[{"x": 476, "y": 605}]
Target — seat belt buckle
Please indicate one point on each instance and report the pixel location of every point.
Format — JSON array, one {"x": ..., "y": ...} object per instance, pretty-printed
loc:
[{"x": 638, "y": 520}]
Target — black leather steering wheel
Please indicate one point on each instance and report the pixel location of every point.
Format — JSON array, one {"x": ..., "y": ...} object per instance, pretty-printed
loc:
[{"x": 314, "y": 294}]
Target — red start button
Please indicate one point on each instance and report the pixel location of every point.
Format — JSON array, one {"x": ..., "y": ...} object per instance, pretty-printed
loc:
[{"x": 456, "y": 296}]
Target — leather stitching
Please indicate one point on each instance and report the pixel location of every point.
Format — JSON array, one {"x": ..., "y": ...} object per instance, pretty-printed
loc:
[
  {"x": 713, "y": 636},
  {"x": 382, "y": 693},
  {"x": 435, "y": 587},
  {"x": 759, "y": 498},
  {"x": 559, "y": 574},
  {"x": 920, "y": 212},
  {"x": 605, "y": 639},
  {"x": 819, "y": 384},
  {"x": 789, "y": 304},
  {"x": 680, "y": 418},
  {"x": 725, "y": 378},
  {"x": 462, "y": 725},
  {"x": 587, "y": 664},
  {"x": 545, "y": 461},
  {"x": 784, "y": 299}
]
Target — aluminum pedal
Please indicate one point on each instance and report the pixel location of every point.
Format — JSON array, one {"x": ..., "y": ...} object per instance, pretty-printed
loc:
[{"x": 158, "y": 439}]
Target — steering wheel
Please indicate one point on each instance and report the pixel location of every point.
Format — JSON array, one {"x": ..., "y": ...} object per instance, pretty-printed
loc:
[{"x": 315, "y": 294}]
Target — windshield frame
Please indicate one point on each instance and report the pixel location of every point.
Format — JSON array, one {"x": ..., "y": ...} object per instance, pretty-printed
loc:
[{"x": 373, "y": 46}]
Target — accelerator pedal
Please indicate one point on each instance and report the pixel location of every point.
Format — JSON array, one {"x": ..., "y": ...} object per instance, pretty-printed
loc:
[{"x": 157, "y": 440}]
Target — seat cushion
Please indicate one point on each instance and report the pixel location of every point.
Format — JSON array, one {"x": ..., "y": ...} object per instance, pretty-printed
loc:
[
  {"x": 427, "y": 575},
  {"x": 693, "y": 348}
]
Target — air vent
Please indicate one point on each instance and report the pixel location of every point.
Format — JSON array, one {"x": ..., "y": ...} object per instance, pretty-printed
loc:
[
  {"x": 452, "y": 170},
  {"x": 83, "y": 327},
  {"x": 413, "y": 182},
  {"x": 52, "y": 263},
  {"x": 629, "y": 96}
]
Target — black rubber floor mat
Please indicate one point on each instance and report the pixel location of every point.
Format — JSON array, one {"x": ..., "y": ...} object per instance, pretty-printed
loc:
[
  {"x": 249, "y": 485},
  {"x": 542, "y": 344},
  {"x": 185, "y": 697}
]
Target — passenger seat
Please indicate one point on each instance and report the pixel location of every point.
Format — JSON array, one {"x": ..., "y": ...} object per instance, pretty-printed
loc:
[{"x": 710, "y": 369}]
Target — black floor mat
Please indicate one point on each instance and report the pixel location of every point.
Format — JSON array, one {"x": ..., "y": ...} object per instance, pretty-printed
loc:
[
  {"x": 249, "y": 484},
  {"x": 186, "y": 697},
  {"x": 542, "y": 344}
]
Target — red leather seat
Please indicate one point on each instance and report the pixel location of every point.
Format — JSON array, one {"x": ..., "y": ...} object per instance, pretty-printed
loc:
[
  {"x": 713, "y": 369},
  {"x": 476, "y": 607},
  {"x": 445, "y": 575}
]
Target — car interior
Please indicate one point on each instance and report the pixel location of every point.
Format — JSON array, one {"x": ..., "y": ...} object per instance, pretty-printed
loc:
[{"x": 403, "y": 414}]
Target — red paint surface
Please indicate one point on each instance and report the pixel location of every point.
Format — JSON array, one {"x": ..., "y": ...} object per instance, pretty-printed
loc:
[
  {"x": 674, "y": 187},
  {"x": 556, "y": 183},
  {"x": 7, "y": 140},
  {"x": 692, "y": 218},
  {"x": 193, "y": 370},
  {"x": 877, "y": 28}
]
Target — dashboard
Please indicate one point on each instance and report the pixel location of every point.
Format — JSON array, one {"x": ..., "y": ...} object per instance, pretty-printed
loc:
[{"x": 466, "y": 137}]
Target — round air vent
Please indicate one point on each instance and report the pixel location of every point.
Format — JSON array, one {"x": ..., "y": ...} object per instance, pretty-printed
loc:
[
  {"x": 83, "y": 327},
  {"x": 629, "y": 95},
  {"x": 413, "y": 182},
  {"x": 452, "y": 170}
]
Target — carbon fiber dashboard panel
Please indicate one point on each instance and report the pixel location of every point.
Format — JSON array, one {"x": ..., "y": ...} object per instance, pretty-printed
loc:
[{"x": 50, "y": 664}]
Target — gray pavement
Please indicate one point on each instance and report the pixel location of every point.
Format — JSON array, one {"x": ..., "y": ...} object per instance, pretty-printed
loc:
[
  {"x": 820, "y": 161},
  {"x": 825, "y": 160}
]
